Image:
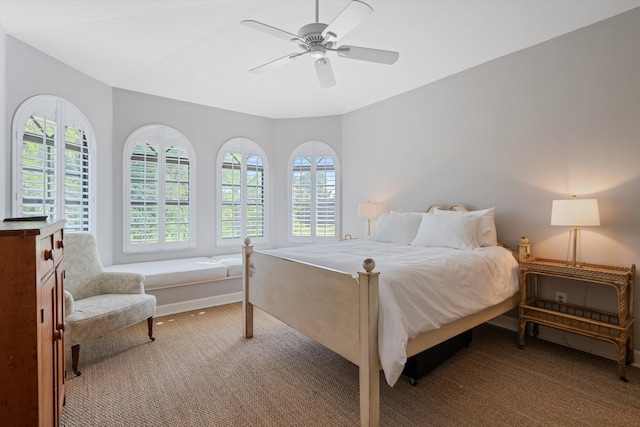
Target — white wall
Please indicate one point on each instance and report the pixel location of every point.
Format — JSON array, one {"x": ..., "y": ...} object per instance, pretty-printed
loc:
[
  {"x": 208, "y": 129},
  {"x": 560, "y": 118},
  {"x": 5, "y": 146},
  {"x": 288, "y": 135},
  {"x": 29, "y": 73},
  {"x": 553, "y": 120}
]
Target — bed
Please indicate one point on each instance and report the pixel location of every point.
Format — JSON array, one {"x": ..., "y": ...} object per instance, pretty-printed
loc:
[{"x": 442, "y": 273}]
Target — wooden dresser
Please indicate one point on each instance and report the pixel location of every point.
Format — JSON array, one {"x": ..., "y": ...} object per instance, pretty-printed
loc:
[{"x": 32, "y": 354}]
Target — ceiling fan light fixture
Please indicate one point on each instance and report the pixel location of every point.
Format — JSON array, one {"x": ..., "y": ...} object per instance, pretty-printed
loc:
[{"x": 317, "y": 51}]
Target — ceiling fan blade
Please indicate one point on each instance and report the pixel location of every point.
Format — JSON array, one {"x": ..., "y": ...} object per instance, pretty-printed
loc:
[
  {"x": 350, "y": 17},
  {"x": 277, "y": 62},
  {"x": 325, "y": 73},
  {"x": 276, "y": 32},
  {"x": 368, "y": 54}
]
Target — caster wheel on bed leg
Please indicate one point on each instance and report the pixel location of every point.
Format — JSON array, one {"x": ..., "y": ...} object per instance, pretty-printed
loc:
[{"x": 413, "y": 381}]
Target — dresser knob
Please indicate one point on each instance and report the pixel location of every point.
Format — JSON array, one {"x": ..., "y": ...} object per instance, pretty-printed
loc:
[
  {"x": 48, "y": 254},
  {"x": 60, "y": 244},
  {"x": 59, "y": 332}
]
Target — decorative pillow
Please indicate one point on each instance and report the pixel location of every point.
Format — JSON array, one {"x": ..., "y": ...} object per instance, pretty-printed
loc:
[
  {"x": 450, "y": 231},
  {"x": 487, "y": 234},
  {"x": 397, "y": 227}
]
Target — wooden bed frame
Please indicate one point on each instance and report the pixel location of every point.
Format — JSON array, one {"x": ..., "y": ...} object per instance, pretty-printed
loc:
[{"x": 338, "y": 311}]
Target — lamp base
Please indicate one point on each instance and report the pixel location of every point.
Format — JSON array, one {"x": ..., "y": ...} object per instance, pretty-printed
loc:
[{"x": 574, "y": 248}]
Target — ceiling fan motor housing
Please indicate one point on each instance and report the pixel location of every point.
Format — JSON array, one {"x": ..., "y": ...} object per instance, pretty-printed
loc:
[{"x": 315, "y": 42}]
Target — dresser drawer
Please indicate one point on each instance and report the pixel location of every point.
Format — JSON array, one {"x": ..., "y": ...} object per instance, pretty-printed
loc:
[
  {"x": 46, "y": 256},
  {"x": 58, "y": 246}
]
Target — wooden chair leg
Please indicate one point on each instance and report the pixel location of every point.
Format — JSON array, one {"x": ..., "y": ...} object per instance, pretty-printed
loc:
[
  {"x": 150, "y": 326},
  {"x": 75, "y": 354}
]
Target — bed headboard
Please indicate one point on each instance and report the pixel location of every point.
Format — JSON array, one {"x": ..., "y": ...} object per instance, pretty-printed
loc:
[{"x": 450, "y": 208}]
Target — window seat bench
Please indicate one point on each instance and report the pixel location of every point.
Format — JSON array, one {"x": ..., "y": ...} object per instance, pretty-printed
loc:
[{"x": 189, "y": 283}]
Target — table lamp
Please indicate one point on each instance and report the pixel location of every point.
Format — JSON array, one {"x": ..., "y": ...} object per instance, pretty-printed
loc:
[
  {"x": 370, "y": 211},
  {"x": 575, "y": 213}
]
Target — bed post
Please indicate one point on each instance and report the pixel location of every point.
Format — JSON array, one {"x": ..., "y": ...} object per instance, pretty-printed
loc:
[
  {"x": 369, "y": 359},
  {"x": 247, "y": 307}
]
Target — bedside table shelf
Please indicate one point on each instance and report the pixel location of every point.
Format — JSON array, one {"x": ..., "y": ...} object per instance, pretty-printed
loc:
[{"x": 616, "y": 328}]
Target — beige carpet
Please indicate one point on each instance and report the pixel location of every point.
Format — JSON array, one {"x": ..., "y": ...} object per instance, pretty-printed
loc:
[{"x": 201, "y": 372}]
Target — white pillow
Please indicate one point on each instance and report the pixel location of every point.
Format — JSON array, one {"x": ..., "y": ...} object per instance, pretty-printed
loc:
[
  {"x": 397, "y": 227},
  {"x": 487, "y": 234},
  {"x": 450, "y": 231}
]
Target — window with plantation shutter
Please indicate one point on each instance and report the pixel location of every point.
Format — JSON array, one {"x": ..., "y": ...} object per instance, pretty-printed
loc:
[
  {"x": 160, "y": 203},
  {"x": 242, "y": 197},
  {"x": 313, "y": 193},
  {"x": 53, "y": 156}
]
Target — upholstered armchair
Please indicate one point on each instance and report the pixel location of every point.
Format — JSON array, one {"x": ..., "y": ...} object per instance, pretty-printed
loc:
[{"x": 99, "y": 302}]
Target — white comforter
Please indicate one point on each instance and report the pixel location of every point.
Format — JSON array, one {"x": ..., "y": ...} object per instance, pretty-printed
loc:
[{"x": 421, "y": 288}]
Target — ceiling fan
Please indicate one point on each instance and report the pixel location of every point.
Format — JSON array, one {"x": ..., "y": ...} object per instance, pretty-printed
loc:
[{"x": 317, "y": 39}]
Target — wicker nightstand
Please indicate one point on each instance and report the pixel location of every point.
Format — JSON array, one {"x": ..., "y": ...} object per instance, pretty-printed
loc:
[{"x": 613, "y": 327}]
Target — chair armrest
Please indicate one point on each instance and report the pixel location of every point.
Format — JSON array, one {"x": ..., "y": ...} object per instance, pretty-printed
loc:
[
  {"x": 69, "y": 306},
  {"x": 120, "y": 283}
]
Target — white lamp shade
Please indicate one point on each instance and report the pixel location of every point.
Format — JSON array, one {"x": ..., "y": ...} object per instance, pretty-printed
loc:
[
  {"x": 575, "y": 212},
  {"x": 369, "y": 210}
]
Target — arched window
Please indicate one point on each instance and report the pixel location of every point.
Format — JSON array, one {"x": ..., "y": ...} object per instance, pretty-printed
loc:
[
  {"x": 53, "y": 157},
  {"x": 242, "y": 192},
  {"x": 313, "y": 193},
  {"x": 159, "y": 184}
]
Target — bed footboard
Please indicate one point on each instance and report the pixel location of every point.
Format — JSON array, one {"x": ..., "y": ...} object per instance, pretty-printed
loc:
[{"x": 329, "y": 306}]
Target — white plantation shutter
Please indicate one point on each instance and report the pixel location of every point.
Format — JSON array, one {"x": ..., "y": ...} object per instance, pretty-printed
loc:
[
  {"x": 301, "y": 203},
  {"x": 242, "y": 198},
  {"x": 177, "y": 194},
  {"x": 77, "y": 179},
  {"x": 255, "y": 200},
  {"x": 144, "y": 193},
  {"x": 325, "y": 196},
  {"x": 53, "y": 158},
  {"x": 313, "y": 193},
  {"x": 231, "y": 192},
  {"x": 159, "y": 182}
]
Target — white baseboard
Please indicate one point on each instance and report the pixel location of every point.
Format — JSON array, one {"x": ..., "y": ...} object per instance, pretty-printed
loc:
[
  {"x": 568, "y": 339},
  {"x": 197, "y": 304}
]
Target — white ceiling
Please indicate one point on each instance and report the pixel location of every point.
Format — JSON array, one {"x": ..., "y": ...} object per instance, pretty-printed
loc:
[{"x": 197, "y": 50}]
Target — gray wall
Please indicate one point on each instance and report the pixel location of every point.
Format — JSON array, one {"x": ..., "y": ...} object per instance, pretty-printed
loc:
[
  {"x": 208, "y": 129},
  {"x": 30, "y": 73},
  {"x": 559, "y": 118},
  {"x": 5, "y": 171},
  {"x": 289, "y": 134}
]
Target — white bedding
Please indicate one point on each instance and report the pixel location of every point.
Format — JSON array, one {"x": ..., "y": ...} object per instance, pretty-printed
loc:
[{"x": 421, "y": 288}]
